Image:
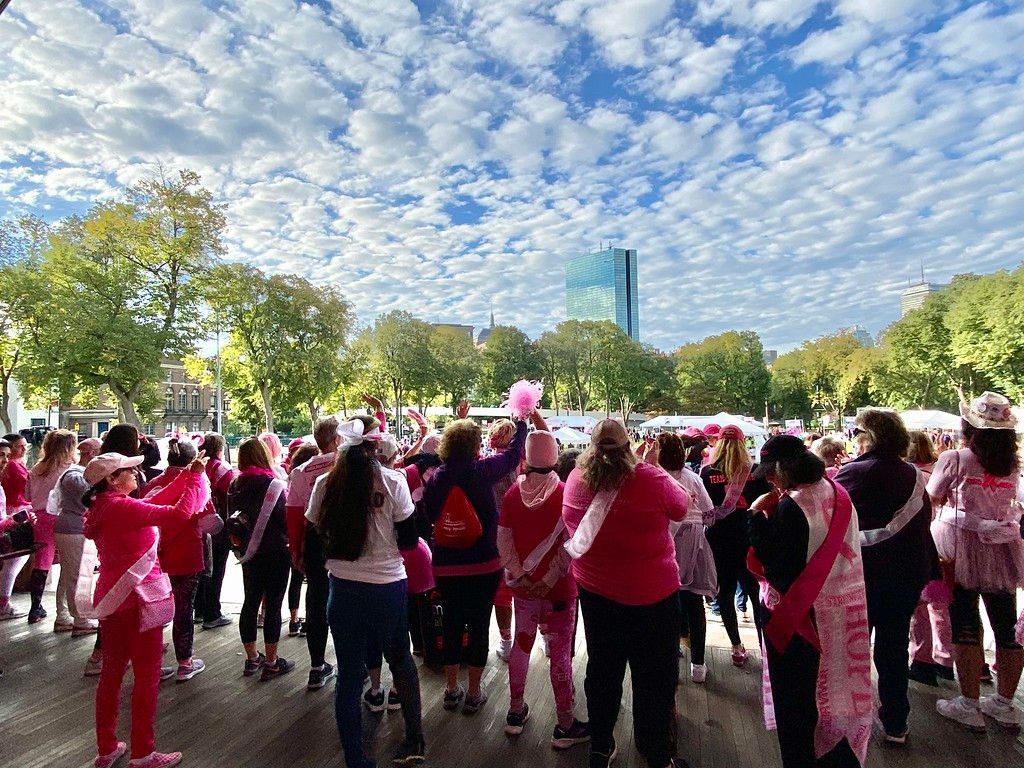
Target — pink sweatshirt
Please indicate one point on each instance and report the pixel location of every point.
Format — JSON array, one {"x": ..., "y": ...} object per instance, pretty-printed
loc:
[
  {"x": 522, "y": 529},
  {"x": 633, "y": 559},
  {"x": 125, "y": 528}
]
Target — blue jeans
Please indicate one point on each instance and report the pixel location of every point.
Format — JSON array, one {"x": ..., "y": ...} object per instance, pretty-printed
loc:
[{"x": 363, "y": 616}]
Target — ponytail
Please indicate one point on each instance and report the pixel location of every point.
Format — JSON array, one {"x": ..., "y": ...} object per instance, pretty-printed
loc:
[{"x": 93, "y": 492}]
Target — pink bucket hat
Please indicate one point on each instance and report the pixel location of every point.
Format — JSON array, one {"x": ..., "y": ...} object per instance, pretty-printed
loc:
[
  {"x": 989, "y": 411},
  {"x": 541, "y": 449}
]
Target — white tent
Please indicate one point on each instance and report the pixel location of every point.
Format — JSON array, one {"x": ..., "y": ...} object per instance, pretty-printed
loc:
[
  {"x": 926, "y": 419},
  {"x": 749, "y": 428},
  {"x": 569, "y": 436}
]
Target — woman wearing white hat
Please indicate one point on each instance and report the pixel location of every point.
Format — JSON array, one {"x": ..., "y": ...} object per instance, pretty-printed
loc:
[
  {"x": 133, "y": 598},
  {"x": 977, "y": 532}
]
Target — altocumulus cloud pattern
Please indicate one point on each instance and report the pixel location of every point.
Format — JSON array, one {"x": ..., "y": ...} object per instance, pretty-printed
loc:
[{"x": 781, "y": 165}]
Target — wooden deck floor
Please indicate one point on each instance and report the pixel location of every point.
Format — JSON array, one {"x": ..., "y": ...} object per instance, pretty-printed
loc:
[{"x": 220, "y": 719}]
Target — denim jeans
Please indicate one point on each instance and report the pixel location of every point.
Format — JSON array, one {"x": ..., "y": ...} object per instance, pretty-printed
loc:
[
  {"x": 365, "y": 615},
  {"x": 183, "y": 630}
]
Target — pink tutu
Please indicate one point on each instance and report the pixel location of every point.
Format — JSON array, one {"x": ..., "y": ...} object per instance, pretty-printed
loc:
[{"x": 977, "y": 566}]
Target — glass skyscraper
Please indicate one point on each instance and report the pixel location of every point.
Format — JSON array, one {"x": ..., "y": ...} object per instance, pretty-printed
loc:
[{"x": 602, "y": 286}]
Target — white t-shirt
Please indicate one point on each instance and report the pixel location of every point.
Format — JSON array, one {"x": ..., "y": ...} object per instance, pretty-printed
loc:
[{"x": 381, "y": 561}]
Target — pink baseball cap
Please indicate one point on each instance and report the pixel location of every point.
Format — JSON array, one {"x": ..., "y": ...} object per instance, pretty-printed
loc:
[
  {"x": 106, "y": 464},
  {"x": 731, "y": 433},
  {"x": 711, "y": 430},
  {"x": 692, "y": 432}
]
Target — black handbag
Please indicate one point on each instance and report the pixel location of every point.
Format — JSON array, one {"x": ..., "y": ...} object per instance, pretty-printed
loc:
[{"x": 17, "y": 539}]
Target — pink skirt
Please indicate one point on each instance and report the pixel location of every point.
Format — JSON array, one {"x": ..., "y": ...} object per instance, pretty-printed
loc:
[{"x": 977, "y": 566}]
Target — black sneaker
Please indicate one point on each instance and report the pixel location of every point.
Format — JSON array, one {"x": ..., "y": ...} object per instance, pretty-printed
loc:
[
  {"x": 602, "y": 759},
  {"x": 280, "y": 666},
  {"x": 37, "y": 614},
  {"x": 514, "y": 721},
  {"x": 375, "y": 702},
  {"x": 394, "y": 701},
  {"x": 986, "y": 670},
  {"x": 473, "y": 703},
  {"x": 302, "y": 627},
  {"x": 577, "y": 733},
  {"x": 318, "y": 677},
  {"x": 410, "y": 752},
  {"x": 220, "y": 621},
  {"x": 452, "y": 699},
  {"x": 252, "y": 666},
  {"x": 293, "y": 629}
]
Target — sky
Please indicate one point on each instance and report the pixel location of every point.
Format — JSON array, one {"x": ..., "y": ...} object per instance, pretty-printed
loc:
[{"x": 784, "y": 166}]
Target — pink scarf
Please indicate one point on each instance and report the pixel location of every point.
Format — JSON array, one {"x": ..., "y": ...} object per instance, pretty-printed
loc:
[
  {"x": 832, "y": 584},
  {"x": 258, "y": 472}
]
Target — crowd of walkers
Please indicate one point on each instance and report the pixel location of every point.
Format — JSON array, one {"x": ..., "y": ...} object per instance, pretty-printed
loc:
[{"x": 407, "y": 551}]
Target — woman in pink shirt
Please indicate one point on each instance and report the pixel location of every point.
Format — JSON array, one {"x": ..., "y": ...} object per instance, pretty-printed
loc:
[
  {"x": 133, "y": 598},
  {"x": 531, "y": 535},
  {"x": 618, "y": 513}
]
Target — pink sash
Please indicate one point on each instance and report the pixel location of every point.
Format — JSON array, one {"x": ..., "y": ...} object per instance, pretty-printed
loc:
[
  {"x": 156, "y": 605},
  {"x": 733, "y": 493},
  {"x": 832, "y": 585}
]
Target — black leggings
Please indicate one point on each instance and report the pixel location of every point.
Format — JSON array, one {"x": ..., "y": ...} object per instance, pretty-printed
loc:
[
  {"x": 265, "y": 577},
  {"x": 694, "y": 623},
  {"x": 294, "y": 589},
  {"x": 466, "y": 603},
  {"x": 965, "y": 617},
  {"x": 731, "y": 567}
]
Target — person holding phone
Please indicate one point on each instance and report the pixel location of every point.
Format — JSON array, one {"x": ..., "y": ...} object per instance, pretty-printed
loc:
[{"x": 9, "y": 518}]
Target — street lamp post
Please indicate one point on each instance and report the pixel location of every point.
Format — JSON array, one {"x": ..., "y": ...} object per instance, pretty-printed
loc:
[{"x": 220, "y": 395}]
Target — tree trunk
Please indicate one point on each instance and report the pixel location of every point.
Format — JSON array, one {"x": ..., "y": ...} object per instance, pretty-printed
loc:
[
  {"x": 314, "y": 412},
  {"x": 268, "y": 413},
  {"x": 126, "y": 403},
  {"x": 5, "y": 400}
]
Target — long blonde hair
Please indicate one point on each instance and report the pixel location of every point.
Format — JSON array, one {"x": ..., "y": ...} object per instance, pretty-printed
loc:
[
  {"x": 57, "y": 452},
  {"x": 732, "y": 459}
]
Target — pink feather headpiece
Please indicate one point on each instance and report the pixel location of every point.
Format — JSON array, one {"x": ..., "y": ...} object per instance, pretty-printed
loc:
[{"x": 523, "y": 397}]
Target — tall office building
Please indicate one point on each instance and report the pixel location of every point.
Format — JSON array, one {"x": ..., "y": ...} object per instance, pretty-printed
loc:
[
  {"x": 913, "y": 297},
  {"x": 603, "y": 286}
]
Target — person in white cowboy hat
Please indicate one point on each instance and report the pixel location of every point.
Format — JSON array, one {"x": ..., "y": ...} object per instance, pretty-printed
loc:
[{"x": 977, "y": 532}]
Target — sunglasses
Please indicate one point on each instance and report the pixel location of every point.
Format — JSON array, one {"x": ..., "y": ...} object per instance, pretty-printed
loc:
[{"x": 859, "y": 431}]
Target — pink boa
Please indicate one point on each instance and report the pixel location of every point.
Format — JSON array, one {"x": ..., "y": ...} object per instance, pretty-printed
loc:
[{"x": 523, "y": 397}]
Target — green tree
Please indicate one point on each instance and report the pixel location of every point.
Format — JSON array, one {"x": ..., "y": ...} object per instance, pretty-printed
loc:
[
  {"x": 985, "y": 321},
  {"x": 400, "y": 357},
  {"x": 456, "y": 364},
  {"x": 723, "y": 372},
  {"x": 572, "y": 351},
  {"x": 123, "y": 286},
  {"x": 508, "y": 357}
]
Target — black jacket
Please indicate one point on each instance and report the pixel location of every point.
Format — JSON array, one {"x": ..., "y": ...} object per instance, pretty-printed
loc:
[{"x": 880, "y": 483}]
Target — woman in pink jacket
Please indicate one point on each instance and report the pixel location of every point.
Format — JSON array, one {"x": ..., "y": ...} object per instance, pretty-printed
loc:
[{"x": 133, "y": 598}]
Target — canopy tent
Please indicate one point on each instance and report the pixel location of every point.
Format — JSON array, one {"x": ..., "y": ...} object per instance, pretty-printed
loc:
[
  {"x": 749, "y": 428},
  {"x": 580, "y": 423},
  {"x": 930, "y": 419},
  {"x": 569, "y": 436}
]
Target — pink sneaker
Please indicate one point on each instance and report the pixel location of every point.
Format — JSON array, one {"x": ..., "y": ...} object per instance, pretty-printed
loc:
[
  {"x": 156, "y": 760},
  {"x": 105, "y": 761}
]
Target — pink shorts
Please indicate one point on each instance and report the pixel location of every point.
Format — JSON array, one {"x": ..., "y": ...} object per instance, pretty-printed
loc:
[{"x": 503, "y": 597}]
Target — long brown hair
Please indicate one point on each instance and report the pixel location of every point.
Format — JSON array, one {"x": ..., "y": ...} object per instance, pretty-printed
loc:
[
  {"x": 253, "y": 453},
  {"x": 604, "y": 469},
  {"x": 57, "y": 452},
  {"x": 344, "y": 515}
]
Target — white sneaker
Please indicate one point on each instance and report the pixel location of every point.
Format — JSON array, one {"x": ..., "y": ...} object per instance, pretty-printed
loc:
[
  {"x": 698, "y": 672},
  {"x": 504, "y": 649},
  {"x": 963, "y": 710},
  {"x": 1004, "y": 714},
  {"x": 9, "y": 612}
]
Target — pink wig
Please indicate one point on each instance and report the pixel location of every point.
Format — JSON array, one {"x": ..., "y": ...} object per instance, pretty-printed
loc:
[{"x": 273, "y": 443}]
